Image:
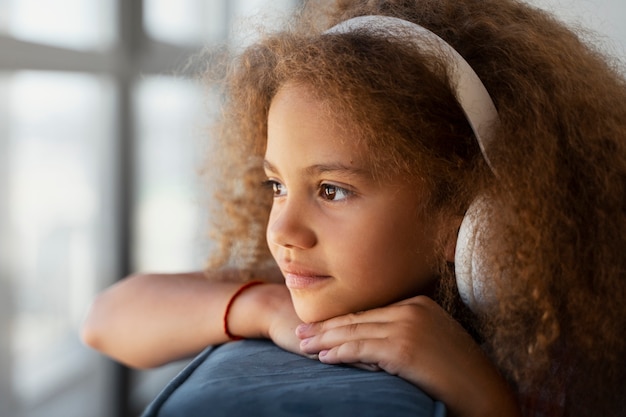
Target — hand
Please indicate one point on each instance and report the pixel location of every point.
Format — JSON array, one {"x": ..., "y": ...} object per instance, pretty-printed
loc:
[
  {"x": 279, "y": 317},
  {"x": 418, "y": 341}
]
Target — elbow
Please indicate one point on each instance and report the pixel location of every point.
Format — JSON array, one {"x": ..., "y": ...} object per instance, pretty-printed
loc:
[
  {"x": 89, "y": 337},
  {"x": 100, "y": 332},
  {"x": 92, "y": 332}
]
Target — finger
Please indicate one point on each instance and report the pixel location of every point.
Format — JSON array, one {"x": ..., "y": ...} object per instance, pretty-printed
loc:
[
  {"x": 367, "y": 353},
  {"x": 305, "y": 330},
  {"x": 417, "y": 300},
  {"x": 394, "y": 357},
  {"x": 380, "y": 315},
  {"x": 367, "y": 366},
  {"x": 338, "y": 335}
]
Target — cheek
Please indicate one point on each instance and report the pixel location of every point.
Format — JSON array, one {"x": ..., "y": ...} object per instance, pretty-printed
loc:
[
  {"x": 268, "y": 227},
  {"x": 400, "y": 253},
  {"x": 271, "y": 246}
]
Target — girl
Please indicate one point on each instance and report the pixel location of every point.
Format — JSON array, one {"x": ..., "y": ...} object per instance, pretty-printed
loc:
[{"x": 372, "y": 154}]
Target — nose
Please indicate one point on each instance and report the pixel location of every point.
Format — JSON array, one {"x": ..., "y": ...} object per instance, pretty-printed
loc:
[{"x": 290, "y": 226}]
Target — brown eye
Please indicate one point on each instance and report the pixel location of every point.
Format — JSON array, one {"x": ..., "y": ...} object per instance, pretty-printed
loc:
[
  {"x": 277, "y": 188},
  {"x": 333, "y": 193},
  {"x": 329, "y": 191}
]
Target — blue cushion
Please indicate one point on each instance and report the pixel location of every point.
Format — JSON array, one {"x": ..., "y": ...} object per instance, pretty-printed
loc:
[{"x": 257, "y": 378}]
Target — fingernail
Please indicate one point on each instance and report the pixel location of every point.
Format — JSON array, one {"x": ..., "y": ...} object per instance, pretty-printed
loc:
[
  {"x": 302, "y": 328},
  {"x": 322, "y": 353}
]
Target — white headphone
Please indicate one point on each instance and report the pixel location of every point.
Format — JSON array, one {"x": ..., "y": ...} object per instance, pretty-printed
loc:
[{"x": 482, "y": 116}]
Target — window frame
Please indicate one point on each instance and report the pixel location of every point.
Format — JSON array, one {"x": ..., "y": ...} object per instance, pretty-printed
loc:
[{"x": 132, "y": 55}]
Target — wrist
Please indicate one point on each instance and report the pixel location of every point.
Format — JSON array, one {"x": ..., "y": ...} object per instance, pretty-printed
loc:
[
  {"x": 493, "y": 397},
  {"x": 252, "y": 312},
  {"x": 270, "y": 305},
  {"x": 229, "y": 305}
]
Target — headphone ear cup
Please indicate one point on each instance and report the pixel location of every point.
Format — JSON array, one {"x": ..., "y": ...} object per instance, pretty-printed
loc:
[{"x": 469, "y": 257}]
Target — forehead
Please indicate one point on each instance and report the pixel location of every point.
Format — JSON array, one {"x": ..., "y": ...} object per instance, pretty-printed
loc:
[
  {"x": 305, "y": 137},
  {"x": 298, "y": 98},
  {"x": 301, "y": 121}
]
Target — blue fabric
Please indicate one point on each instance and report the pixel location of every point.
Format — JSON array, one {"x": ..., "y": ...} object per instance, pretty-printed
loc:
[{"x": 257, "y": 378}]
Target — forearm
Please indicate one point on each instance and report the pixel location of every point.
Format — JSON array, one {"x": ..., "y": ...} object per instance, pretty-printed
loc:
[
  {"x": 148, "y": 320},
  {"x": 484, "y": 394}
]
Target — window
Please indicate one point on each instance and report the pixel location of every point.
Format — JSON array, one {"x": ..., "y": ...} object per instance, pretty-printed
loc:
[
  {"x": 178, "y": 22},
  {"x": 100, "y": 146},
  {"x": 75, "y": 24},
  {"x": 59, "y": 212},
  {"x": 169, "y": 152}
]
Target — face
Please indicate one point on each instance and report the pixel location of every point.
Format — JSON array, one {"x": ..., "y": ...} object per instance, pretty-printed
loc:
[{"x": 344, "y": 241}]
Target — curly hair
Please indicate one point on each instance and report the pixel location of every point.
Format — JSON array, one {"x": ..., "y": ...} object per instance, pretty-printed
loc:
[{"x": 559, "y": 198}]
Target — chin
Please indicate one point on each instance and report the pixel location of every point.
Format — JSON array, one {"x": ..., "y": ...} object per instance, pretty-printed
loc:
[
  {"x": 311, "y": 314},
  {"x": 308, "y": 316}
]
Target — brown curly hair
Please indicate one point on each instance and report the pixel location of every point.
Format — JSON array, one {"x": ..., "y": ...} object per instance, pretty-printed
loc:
[{"x": 560, "y": 157}]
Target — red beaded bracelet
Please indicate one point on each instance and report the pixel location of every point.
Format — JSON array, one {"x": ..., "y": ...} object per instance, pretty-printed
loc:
[{"x": 230, "y": 304}]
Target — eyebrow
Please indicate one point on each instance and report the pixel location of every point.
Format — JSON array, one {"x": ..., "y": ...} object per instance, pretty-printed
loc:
[{"x": 335, "y": 167}]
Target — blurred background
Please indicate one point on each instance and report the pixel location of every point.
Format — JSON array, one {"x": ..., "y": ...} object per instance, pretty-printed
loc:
[{"x": 101, "y": 141}]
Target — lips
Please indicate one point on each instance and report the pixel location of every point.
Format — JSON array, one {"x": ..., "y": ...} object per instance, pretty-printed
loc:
[{"x": 299, "y": 278}]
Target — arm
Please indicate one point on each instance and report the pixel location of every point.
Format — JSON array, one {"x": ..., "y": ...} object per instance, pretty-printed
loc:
[
  {"x": 147, "y": 320},
  {"x": 418, "y": 341}
]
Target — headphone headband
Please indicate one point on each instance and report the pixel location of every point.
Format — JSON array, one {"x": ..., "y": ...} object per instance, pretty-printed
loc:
[
  {"x": 470, "y": 92},
  {"x": 469, "y": 261}
]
